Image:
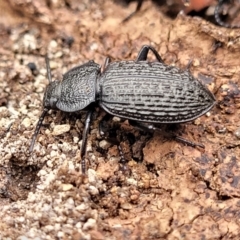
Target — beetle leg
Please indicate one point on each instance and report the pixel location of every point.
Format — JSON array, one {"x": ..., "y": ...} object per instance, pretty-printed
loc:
[
  {"x": 39, "y": 124},
  {"x": 139, "y": 5},
  {"x": 143, "y": 53},
  {"x": 107, "y": 61},
  {"x": 84, "y": 139},
  {"x": 107, "y": 133},
  {"x": 142, "y": 126},
  {"x": 192, "y": 144},
  {"x": 152, "y": 128}
]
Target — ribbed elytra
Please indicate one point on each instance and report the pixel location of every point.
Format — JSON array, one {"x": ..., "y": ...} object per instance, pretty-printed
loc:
[
  {"x": 141, "y": 91},
  {"x": 153, "y": 92}
]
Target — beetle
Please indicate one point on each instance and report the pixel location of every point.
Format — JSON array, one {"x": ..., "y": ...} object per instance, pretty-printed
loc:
[{"x": 140, "y": 91}]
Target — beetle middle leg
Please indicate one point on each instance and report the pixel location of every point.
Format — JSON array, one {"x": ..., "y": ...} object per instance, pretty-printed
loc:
[
  {"x": 152, "y": 128},
  {"x": 112, "y": 133}
]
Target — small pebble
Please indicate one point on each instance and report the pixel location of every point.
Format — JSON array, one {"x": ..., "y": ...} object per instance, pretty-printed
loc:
[
  {"x": 26, "y": 122},
  {"x": 4, "y": 112},
  {"x": 53, "y": 65},
  {"x": 237, "y": 133},
  {"x": 82, "y": 207},
  {"x": 92, "y": 176},
  {"x": 126, "y": 206},
  {"x": 67, "y": 187},
  {"x": 60, "y": 129},
  {"x": 90, "y": 224},
  {"x": 93, "y": 190},
  {"x": 104, "y": 144},
  {"x": 32, "y": 66},
  {"x": 42, "y": 172},
  {"x": 53, "y": 44}
]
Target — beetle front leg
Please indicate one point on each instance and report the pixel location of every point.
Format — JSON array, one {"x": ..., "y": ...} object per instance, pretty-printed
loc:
[
  {"x": 39, "y": 124},
  {"x": 84, "y": 139},
  {"x": 143, "y": 53}
]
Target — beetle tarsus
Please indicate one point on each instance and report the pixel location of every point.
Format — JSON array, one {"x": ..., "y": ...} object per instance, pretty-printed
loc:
[
  {"x": 39, "y": 124},
  {"x": 84, "y": 140},
  {"x": 139, "y": 5},
  {"x": 192, "y": 144}
]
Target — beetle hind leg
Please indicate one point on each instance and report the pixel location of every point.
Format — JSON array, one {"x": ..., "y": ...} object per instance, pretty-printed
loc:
[
  {"x": 107, "y": 61},
  {"x": 143, "y": 53},
  {"x": 139, "y": 5},
  {"x": 151, "y": 128},
  {"x": 187, "y": 142}
]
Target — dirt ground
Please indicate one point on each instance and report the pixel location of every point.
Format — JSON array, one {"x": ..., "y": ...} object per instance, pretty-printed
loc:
[{"x": 165, "y": 190}]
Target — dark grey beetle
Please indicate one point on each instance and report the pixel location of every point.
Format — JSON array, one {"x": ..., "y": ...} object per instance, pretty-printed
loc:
[{"x": 140, "y": 91}]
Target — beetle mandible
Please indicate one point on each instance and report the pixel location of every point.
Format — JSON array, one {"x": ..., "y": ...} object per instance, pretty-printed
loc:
[{"x": 140, "y": 91}]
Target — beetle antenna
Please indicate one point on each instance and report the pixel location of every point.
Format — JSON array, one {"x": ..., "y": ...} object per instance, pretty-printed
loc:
[
  {"x": 39, "y": 124},
  {"x": 48, "y": 69}
]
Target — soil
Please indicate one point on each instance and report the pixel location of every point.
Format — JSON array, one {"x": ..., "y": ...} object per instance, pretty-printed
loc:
[{"x": 163, "y": 189}]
